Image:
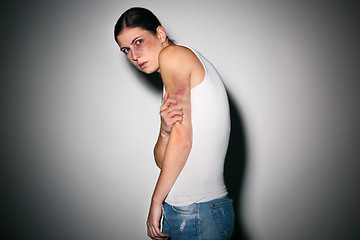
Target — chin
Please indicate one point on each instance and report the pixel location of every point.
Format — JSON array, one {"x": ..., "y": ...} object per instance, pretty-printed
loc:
[{"x": 148, "y": 71}]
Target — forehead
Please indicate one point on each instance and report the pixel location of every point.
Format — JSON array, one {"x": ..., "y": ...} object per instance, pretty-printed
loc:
[{"x": 127, "y": 35}]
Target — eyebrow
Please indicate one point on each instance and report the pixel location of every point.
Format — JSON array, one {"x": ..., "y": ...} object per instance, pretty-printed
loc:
[{"x": 131, "y": 42}]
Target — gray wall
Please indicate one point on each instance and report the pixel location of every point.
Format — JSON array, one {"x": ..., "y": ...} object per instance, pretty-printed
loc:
[{"x": 79, "y": 124}]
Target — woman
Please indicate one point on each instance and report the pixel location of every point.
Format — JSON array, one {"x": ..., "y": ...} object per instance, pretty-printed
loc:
[{"x": 190, "y": 192}]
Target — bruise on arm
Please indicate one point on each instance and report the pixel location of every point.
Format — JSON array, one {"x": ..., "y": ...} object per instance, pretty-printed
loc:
[
  {"x": 176, "y": 78},
  {"x": 175, "y": 73},
  {"x": 179, "y": 92}
]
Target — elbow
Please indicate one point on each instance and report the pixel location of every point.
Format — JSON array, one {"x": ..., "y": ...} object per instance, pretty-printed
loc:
[
  {"x": 182, "y": 137},
  {"x": 185, "y": 143}
]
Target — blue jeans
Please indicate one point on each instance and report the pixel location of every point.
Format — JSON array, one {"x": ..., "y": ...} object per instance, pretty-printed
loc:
[{"x": 200, "y": 221}]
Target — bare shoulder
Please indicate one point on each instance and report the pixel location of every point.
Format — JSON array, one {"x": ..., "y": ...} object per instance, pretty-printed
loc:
[{"x": 175, "y": 56}]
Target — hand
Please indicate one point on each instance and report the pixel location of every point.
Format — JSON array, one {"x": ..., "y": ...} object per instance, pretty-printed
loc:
[
  {"x": 153, "y": 222},
  {"x": 170, "y": 114}
]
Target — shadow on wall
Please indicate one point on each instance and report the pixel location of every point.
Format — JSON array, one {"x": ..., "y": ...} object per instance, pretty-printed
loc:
[{"x": 234, "y": 167}]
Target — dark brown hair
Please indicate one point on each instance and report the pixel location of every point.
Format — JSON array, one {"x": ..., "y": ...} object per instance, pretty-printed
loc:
[{"x": 137, "y": 17}]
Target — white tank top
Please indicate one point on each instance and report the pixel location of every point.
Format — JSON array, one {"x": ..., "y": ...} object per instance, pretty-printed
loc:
[{"x": 201, "y": 179}]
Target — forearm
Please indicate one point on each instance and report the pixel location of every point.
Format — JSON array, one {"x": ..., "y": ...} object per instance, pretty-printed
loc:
[
  {"x": 176, "y": 154},
  {"x": 160, "y": 147}
]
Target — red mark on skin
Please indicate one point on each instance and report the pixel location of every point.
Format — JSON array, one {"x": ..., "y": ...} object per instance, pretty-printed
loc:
[{"x": 179, "y": 93}]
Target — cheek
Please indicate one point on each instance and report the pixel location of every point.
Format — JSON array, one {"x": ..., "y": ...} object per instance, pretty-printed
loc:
[
  {"x": 144, "y": 48},
  {"x": 149, "y": 47},
  {"x": 129, "y": 57}
]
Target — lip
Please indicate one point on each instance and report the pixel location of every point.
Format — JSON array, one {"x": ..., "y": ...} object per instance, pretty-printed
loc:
[{"x": 143, "y": 64}]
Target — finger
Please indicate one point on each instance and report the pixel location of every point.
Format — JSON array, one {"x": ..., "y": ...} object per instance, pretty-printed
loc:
[
  {"x": 170, "y": 120},
  {"x": 177, "y": 119},
  {"x": 167, "y": 103},
  {"x": 157, "y": 234},
  {"x": 170, "y": 101},
  {"x": 151, "y": 232},
  {"x": 160, "y": 234},
  {"x": 154, "y": 234},
  {"x": 176, "y": 113},
  {"x": 172, "y": 108},
  {"x": 165, "y": 96},
  {"x": 167, "y": 117},
  {"x": 173, "y": 118}
]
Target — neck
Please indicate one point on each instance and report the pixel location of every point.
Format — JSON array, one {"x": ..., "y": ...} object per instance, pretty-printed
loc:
[{"x": 168, "y": 43}]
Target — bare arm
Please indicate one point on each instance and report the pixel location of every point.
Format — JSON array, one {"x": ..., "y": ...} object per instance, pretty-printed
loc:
[
  {"x": 176, "y": 78},
  {"x": 170, "y": 114},
  {"x": 175, "y": 72}
]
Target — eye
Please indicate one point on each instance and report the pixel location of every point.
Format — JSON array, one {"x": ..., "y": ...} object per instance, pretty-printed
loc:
[
  {"x": 125, "y": 50},
  {"x": 139, "y": 41}
]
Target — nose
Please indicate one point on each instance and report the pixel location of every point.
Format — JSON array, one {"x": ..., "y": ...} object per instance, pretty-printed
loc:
[
  {"x": 134, "y": 58},
  {"x": 134, "y": 55}
]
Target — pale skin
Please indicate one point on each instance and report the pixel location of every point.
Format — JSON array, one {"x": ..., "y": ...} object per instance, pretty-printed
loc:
[{"x": 180, "y": 71}]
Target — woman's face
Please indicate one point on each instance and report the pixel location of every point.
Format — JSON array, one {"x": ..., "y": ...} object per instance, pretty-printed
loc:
[{"x": 141, "y": 48}]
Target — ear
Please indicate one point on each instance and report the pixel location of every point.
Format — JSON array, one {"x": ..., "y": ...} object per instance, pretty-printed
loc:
[{"x": 161, "y": 33}]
